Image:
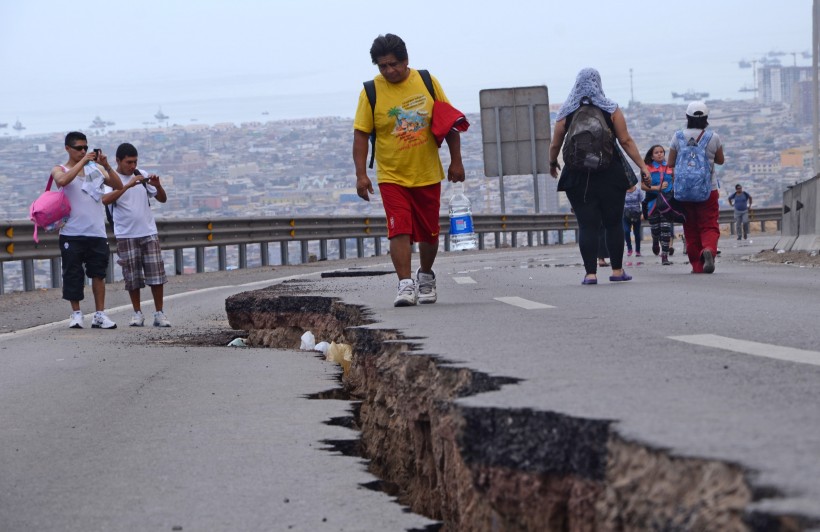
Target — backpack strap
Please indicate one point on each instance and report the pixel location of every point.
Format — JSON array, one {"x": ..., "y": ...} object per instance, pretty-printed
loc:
[
  {"x": 51, "y": 178},
  {"x": 428, "y": 82},
  {"x": 370, "y": 91}
]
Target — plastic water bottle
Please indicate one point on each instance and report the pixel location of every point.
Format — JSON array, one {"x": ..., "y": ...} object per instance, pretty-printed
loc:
[{"x": 462, "y": 235}]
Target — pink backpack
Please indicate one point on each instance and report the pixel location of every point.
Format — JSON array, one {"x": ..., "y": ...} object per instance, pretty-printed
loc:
[{"x": 50, "y": 211}]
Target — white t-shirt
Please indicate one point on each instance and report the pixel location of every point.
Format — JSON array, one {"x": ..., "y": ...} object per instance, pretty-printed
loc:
[
  {"x": 87, "y": 217},
  {"x": 711, "y": 149},
  {"x": 133, "y": 217}
]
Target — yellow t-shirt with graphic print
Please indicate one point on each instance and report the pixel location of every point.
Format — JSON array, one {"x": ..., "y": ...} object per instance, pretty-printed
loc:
[{"x": 406, "y": 151}]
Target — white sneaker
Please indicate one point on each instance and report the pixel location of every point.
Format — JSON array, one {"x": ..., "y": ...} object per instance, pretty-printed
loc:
[
  {"x": 101, "y": 321},
  {"x": 76, "y": 320},
  {"x": 407, "y": 294},
  {"x": 137, "y": 320},
  {"x": 427, "y": 286},
  {"x": 160, "y": 320}
]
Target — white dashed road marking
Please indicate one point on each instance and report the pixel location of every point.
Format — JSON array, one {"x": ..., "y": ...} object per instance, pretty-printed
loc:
[
  {"x": 523, "y": 303},
  {"x": 777, "y": 352},
  {"x": 464, "y": 280}
]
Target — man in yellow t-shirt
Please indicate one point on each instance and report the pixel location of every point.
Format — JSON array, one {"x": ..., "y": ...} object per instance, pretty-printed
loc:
[{"x": 408, "y": 167}]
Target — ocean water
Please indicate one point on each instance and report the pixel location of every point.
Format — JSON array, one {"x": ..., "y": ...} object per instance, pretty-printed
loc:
[
  {"x": 238, "y": 102},
  {"x": 135, "y": 114}
]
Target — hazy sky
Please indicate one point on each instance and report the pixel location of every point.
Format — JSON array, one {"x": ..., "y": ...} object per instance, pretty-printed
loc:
[{"x": 56, "y": 54}]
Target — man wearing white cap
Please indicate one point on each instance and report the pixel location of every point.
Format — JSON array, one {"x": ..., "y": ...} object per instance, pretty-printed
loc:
[{"x": 701, "y": 229}]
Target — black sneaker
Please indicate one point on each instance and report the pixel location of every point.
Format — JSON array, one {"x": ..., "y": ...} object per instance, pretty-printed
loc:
[{"x": 708, "y": 261}]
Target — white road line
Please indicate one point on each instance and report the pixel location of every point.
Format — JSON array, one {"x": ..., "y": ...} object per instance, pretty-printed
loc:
[
  {"x": 523, "y": 303},
  {"x": 777, "y": 352},
  {"x": 464, "y": 280}
]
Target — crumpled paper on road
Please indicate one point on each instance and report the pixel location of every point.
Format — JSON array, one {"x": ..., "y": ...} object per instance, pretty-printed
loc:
[
  {"x": 308, "y": 341},
  {"x": 342, "y": 354}
]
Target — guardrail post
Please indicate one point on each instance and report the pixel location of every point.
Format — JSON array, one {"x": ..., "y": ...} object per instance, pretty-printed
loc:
[
  {"x": 514, "y": 239},
  {"x": 323, "y": 249},
  {"x": 360, "y": 247},
  {"x": 2, "y": 281},
  {"x": 28, "y": 275},
  {"x": 222, "y": 258},
  {"x": 200, "y": 259},
  {"x": 264, "y": 253},
  {"x": 530, "y": 238},
  {"x": 377, "y": 245},
  {"x": 179, "y": 261},
  {"x": 283, "y": 253},
  {"x": 304, "y": 250},
  {"x": 481, "y": 242},
  {"x": 732, "y": 228},
  {"x": 342, "y": 248},
  {"x": 497, "y": 240},
  {"x": 56, "y": 272},
  {"x": 560, "y": 236},
  {"x": 243, "y": 256}
]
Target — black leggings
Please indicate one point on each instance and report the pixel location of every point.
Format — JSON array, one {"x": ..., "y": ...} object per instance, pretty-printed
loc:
[{"x": 597, "y": 202}]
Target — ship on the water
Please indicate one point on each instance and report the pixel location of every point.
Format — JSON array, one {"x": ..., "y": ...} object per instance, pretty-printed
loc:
[
  {"x": 99, "y": 123},
  {"x": 161, "y": 116},
  {"x": 19, "y": 125},
  {"x": 690, "y": 95}
]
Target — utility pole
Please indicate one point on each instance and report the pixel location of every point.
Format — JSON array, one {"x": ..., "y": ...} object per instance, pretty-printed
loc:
[{"x": 815, "y": 85}]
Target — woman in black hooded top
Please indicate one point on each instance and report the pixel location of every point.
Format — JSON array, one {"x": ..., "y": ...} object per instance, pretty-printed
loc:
[{"x": 596, "y": 198}]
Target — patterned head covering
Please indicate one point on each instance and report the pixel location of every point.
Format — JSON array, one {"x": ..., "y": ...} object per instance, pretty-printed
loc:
[{"x": 587, "y": 83}]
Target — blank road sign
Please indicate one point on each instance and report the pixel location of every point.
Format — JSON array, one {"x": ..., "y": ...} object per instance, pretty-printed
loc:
[{"x": 520, "y": 118}]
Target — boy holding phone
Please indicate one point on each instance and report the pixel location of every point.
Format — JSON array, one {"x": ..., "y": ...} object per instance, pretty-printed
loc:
[
  {"x": 138, "y": 249},
  {"x": 83, "y": 241}
]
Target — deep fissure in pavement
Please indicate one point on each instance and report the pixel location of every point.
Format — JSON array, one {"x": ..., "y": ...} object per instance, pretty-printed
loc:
[{"x": 495, "y": 468}]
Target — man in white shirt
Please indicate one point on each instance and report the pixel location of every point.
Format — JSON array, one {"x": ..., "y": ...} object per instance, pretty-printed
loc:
[
  {"x": 83, "y": 241},
  {"x": 138, "y": 249}
]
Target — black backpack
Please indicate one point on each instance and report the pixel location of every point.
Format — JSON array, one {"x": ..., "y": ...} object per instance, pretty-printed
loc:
[
  {"x": 370, "y": 91},
  {"x": 589, "y": 143}
]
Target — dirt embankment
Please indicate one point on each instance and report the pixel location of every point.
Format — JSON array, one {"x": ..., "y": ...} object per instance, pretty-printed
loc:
[{"x": 800, "y": 258}]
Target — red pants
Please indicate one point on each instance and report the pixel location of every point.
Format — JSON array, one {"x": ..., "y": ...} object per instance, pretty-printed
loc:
[{"x": 701, "y": 229}]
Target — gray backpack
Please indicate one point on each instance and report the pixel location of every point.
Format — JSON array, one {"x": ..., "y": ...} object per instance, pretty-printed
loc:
[{"x": 589, "y": 143}]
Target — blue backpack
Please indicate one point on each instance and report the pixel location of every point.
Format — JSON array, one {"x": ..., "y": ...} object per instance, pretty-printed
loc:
[{"x": 693, "y": 173}]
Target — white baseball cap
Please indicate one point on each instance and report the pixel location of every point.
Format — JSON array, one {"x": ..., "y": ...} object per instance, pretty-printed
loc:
[{"x": 697, "y": 108}]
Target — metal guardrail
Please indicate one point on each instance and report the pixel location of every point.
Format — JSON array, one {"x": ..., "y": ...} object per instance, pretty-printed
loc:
[{"x": 17, "y": 244}]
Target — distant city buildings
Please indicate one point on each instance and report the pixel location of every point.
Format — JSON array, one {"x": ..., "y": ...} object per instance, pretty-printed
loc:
[
  {"x": 304, "y": 167},
  {"x": 782, "y": 84}
]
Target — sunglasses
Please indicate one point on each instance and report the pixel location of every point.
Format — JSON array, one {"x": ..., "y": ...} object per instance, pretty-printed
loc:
[{"x": 79, "y": 148}]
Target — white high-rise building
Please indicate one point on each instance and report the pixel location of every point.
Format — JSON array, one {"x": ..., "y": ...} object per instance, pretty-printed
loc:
[{"x": 776, "y": 84}]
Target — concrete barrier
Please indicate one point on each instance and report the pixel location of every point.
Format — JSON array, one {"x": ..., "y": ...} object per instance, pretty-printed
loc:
[{"x": 800, "y": 224}]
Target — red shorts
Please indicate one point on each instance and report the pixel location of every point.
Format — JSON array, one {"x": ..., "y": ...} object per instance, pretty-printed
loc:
[{"x": 412, "y": 211}]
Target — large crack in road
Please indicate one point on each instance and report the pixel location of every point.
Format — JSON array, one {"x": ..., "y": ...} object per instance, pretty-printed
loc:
[{"x": 494, "y": 468}]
